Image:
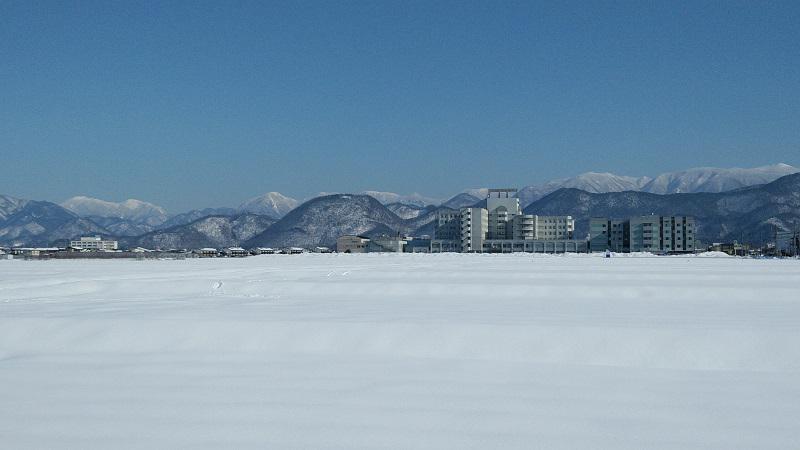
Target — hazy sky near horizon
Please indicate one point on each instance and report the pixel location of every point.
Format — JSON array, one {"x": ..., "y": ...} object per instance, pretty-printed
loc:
[{"x": 193, "y": 104}]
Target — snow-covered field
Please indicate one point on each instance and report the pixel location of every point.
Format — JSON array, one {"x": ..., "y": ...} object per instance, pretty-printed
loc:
[{"x": 401, "y": 351}]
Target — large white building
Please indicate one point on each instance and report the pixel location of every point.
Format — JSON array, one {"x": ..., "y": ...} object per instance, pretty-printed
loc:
[
  {"x": 501, "y": 227},
  {"x": 94, "y": 243}
]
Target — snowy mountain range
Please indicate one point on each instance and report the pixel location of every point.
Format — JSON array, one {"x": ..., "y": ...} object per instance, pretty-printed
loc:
[
  {"x": 30, "y": 222},
  {"x": 319, "y": 220},
  {"x": 710, "y": 179},
  {"x": 388, "y": 198},
  {"x": 211, "y": 231},
  {"x": 132, "y": 210},
  {"x": 702, "y": 179},
  {"x": 128, "y": 218},
  {"x": 589, "y": 182}
]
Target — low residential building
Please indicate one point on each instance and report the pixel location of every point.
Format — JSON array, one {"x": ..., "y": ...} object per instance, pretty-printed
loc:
[
  {"x": 95, "y": 243},
  {"x": 263, "y": 251},
  {"x": 321, "y": 250},
  {"x": 207, "y": 252},
  {"x": 235, "y": 252},
  {"x": 352, "y": 244}
]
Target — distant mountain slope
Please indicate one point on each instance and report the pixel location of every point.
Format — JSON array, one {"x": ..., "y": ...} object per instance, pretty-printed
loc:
[
  {"x": 10, "y": 205},
  {"x": 405, "y": 211},
  {"x": 712, "y": 179},
  {"x": 415, "y": 199},
  {"x": 703, "y": 179},
  {"x": 322, "y": 220},
  {"x": 37, "y": 223},
  {"x": 135, "y": 211},
  {"x": 212, "y": 231},
  {"x": 121, "y": 227},
  {"x": 195, "y": 214},
  {"x": 462, "y": 200},
  {"x": 273, "y": 204},
  {"x": 749, "y": 213}
]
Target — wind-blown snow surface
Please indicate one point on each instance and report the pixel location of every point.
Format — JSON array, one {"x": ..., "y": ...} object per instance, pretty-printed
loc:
[{"x": 401, "y": 351}]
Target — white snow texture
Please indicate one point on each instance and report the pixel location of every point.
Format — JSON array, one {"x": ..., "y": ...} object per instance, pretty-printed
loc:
[{"x": 401, "y": 351}]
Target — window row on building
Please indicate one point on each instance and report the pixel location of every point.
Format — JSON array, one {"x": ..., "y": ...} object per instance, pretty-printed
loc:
[{"x": 96, "y": 243}]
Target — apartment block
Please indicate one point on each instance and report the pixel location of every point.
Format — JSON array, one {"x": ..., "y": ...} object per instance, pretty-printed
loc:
[
  {"x": 609, "y": 234},
  {"x": 651, "y": 233}
]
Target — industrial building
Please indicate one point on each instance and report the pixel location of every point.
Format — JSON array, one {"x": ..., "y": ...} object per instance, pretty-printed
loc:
[
  {"x": 651, "y": 233},
  {"x": 501, "y": 227}
]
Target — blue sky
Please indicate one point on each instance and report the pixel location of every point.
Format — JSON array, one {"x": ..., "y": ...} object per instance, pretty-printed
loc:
[{"x": 191, "y": 104}]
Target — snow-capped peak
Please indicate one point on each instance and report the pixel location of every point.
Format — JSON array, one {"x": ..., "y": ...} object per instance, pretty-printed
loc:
[
  {"x": 595, "y": 182},
  {"x": 272, "y": 204},
  {"x": 131, "y": 209}
]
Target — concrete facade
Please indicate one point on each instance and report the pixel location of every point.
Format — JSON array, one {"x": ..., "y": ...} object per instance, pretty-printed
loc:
[
  {"x": 609, "y": 234},
  {"x": 474, "y": 228}
]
